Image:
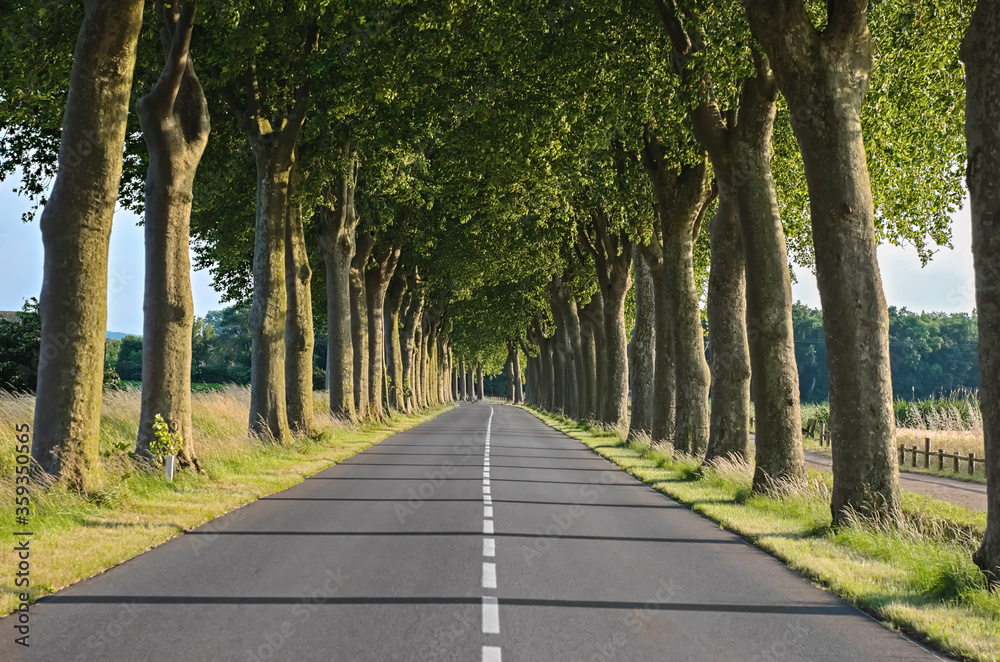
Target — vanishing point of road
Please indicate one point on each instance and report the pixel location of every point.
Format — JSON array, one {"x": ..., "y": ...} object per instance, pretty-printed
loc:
[{"x": 480, "y": 535}]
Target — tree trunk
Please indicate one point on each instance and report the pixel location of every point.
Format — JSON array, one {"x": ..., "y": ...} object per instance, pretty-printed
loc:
[
  {"x": 774, "y": 374},
  {"x": 337, "y": 228},
  {"x": 593, "y": 353},
  {"x": 480, "y": 385},
  {"x": 376, "y": 283},
  {"x": 548, "y": 377},
  {"x": 268, "y": 412},
  {"x": 982, "y": 117},
  {"x": 558, "y": 345},
  {"x": 463, "y": 393},
  {"x": 411, "y": 325},
  {"x": 518, "y": 381},
  {"x": 394, "y": 349},
  {"x": 470, "y": 383},
  {"x": 175, "y": 125},
  {"x": 680, "y": 198},
  {"x": 570, "y": 318},
  {"x": 664, "y": 396},
  {"x": 823, "y": 77},
  {"x": 76, "y": 227},
  {"x": 643, "y": 351},
  {"x": 359, "y": 322},
  {"x": 612, "y": 253},
  {"x": 729, "y": 432},
  {"x": 299, "y": 337},
  {"x": 425, "y": 329},
  {"x": 508, "y": 371}
]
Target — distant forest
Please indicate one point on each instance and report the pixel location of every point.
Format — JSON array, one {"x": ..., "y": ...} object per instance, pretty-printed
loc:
[{"x": 930, "y": 352}]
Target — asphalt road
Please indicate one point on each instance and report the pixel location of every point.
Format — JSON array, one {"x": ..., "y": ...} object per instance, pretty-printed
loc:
[{"x": 448, "y": 542}]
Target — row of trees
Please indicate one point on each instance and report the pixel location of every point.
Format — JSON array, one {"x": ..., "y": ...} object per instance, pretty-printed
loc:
[{"x": 490, "y": 180}]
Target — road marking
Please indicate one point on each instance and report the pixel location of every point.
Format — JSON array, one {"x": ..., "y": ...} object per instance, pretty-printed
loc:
[
  {"x": 491, "y": 616},
  {"x": 491, "y": 609},
  {"x": 489, "y": 575}
]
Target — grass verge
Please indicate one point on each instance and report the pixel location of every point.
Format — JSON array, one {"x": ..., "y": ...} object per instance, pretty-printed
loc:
[
  {"x": 77, "y": 536},
  {"x": 920, "y": 580}
]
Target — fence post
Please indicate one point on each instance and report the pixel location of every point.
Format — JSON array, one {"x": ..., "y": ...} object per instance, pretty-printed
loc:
[
  {"x": 914, "y": 455},
  {"x": 927, "y": 452},
  {"x": 954, "y": 459},
  {"x": 822, "y": 433},
  {"x": 940, "y": 459},
  {"x": 972, "y": 463},
  {"x": 902, "y": 454}
]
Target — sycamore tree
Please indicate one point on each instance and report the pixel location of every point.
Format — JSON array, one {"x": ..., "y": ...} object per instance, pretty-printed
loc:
[{"x": 76, "y": 219}]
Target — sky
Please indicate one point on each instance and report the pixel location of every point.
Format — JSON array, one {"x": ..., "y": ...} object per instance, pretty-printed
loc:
[{"x": 945, "y": 284}]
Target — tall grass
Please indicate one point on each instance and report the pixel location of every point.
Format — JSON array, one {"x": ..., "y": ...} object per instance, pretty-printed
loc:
[{"x": 956, "y": 411}]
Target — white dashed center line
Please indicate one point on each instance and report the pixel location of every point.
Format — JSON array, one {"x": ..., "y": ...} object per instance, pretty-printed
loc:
[
  {"x": 491, "y": 616},
  {"x": 490, "y": 575},
  {"x": 491, "y": 609}
]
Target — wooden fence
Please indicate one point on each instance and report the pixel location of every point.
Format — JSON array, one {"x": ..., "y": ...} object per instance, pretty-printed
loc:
[
  {"x": 956, "y": 459},
  {"x": 817, "y": 430}
]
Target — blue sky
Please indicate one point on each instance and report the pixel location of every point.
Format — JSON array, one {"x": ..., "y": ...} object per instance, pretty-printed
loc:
[{"x": 946, "y": 284}]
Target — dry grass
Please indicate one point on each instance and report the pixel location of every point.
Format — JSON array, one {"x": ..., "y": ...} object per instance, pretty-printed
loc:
[
  {"x": 963, "y": 441},
  {"x": 76, "y": 536}
]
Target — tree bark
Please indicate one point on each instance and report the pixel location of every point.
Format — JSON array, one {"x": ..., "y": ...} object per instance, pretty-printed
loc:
[
  {"x": 359, "y": 322},
  {"x": 664, "y": 396},
  {"x": 612, "y": 253},
  {"x": 593, "y": 351},
  {"x": 729, "y": 428},
  {"x": 394, "y": 348},
  {"x": 463, "y": 393},
  {"x": 411, "y": 325},
  {"x": 480, "y": 385},
  {"x": 982, "y": 138},
  {"x": 643, "y": 351},
  {"x": 175, "y": 125},
  {"x": 569, "y": 314},
  {"x": 823, "y": 76},
  {"x": 76, "y": 228},
  {"x": 425, "y": 328},
  {"x": 680, "y": 198},
  {"x": 376, "y": 283},
  {"x": 518, "y": 380},
  {"x": 558, "y": 347},
  {"x": 337, "y": 227},
  {"x": 508, "y": 371},
  {"x": 299, "y": 336},
  {"x": 470, "y": 382}
]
